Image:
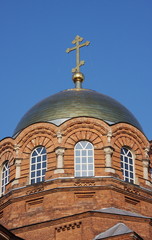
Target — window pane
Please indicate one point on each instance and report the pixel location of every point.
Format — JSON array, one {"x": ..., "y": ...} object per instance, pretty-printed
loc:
[
  {"x": 33, "y": 167},
  {"x": 130, "y": 161},
  {"x": 84, "y": 174},
  {"x": 90, "y": 159},
  {"x": 125, "y": 150},
  {"x": 39, "y": 149},
  {"x": 129, "y": 154},
  {"x": 84, "y": 153},
  {"x": 38, "y": 180},
  {"x": 89, "y": 146},
  {"x": 84, "y": 159},
  {"x": 90, "y": 173},
  {"x": 34, "y": 153},
  {"x": 126, "y": 166},
  {"x": 90, "y": 152},
  {"x": 78, "y": 146},
  {"x": 77, "y": 153},
  {"x": 38, "y": 159},
  {"x": 84, "y": 167},
  {"x": 39, "y": 166},
  {"x": 44, "y": 165},
  {"x": 33, "y": 174},
  {"x": 77, "y": 160},
  {"x": 43, "y": 151},
  {"x": 38, "y": 173},
  {"x": 33, "y": 160},
  {"x": 90, "y": 167},
  {"x": 131, "y": 175},
  {"x": 131, "y": 168},
  {"x": 33, "y": 181},
  {"x": 77, "y": 167},
  {"x": 44, "y": 157},
  {"x": 77, "y": 174},
  {"x": 83, "y": 144}
]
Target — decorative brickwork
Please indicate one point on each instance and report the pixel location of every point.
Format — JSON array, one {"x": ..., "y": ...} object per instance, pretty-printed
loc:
[{"x": 68, "y": 227}]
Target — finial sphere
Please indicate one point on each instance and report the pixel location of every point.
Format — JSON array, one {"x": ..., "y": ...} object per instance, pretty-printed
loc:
[{"x": 78, "y": 76}]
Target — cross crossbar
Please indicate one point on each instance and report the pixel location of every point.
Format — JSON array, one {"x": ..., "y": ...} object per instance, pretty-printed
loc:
[{"x": 76, "y": 41}]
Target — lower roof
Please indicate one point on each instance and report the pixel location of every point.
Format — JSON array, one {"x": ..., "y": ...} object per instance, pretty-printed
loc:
[{"x": 116, "y": 230}]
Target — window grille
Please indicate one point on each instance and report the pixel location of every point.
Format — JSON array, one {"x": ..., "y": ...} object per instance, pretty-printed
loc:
[
  {"x": 84, "y": 159},
  {"x": 5, "y": 176},
  {"x": 38, "y": 165},
  {"x": 127, "y": 164}
]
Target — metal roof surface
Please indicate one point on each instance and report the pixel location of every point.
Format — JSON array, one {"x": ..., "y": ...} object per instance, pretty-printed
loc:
[
  {"x": 113, "y": 210},
  {"x": 118, "y": 229},
  {"x": 77, "y": 103}
]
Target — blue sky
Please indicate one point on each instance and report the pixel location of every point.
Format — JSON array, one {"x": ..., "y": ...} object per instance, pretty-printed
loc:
[{"x": 34, "y": 64}]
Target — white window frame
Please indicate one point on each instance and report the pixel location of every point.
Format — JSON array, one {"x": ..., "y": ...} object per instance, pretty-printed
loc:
[
  {"x": 83, "y": 158},
  {"x": 5, "y": 174},
  {"x": 38, "y": 165},
  {"x": 127, "y": 167}
]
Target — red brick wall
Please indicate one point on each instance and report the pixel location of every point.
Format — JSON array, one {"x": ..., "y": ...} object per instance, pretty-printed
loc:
[{"x": 25, "y": 204}]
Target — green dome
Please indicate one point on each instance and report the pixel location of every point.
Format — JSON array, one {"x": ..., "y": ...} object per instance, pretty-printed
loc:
[{"x": 77, "y": 103}]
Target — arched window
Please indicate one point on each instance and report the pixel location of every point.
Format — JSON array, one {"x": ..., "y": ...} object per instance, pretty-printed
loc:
[
  {"x": 5, "y": 176},
  {"x": 84, "y": 159},
  {"x": 127, "y": 164},
  {"x": 38, "y": 165}
]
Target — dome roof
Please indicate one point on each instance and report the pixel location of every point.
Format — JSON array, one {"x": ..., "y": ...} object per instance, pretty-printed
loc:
[{"x": 75, "y": 103}]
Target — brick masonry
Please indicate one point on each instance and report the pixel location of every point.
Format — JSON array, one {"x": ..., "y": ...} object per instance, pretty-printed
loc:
[{"x": 61, "y": 207}]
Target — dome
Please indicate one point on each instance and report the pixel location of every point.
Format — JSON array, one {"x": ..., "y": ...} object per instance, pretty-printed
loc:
[{"x": 77, "y": 103}]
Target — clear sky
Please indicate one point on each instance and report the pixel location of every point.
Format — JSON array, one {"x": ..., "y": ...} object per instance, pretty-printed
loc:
[{"x": 34, "y": 35}]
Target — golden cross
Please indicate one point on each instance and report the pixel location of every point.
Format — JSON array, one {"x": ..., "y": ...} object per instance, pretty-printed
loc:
[{"x": 76, "y": 41}]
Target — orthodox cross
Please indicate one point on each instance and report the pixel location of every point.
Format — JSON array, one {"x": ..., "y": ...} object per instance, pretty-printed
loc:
[{"x": 76, "y": 41}]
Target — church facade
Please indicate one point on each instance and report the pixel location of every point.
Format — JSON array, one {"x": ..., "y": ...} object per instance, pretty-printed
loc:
[{"x": 77, "y": 167}]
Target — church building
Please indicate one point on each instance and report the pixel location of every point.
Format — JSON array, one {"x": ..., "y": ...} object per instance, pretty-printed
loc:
[{"x": 78, "y": 167}]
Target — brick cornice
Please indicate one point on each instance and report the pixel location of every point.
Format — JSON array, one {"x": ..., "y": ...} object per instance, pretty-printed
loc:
[{"x": 68, "y": 185}]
